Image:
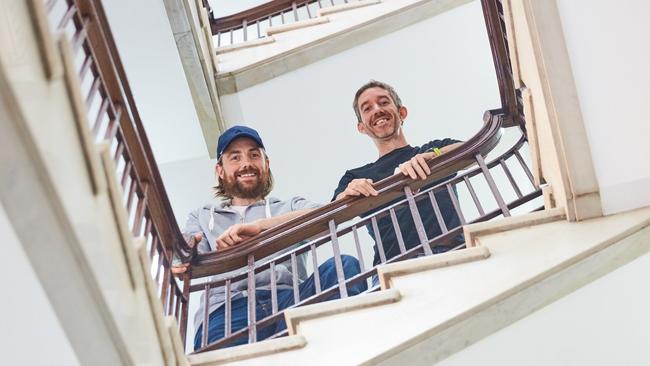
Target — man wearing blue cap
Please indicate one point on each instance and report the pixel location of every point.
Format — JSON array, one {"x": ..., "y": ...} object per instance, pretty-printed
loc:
[{"x": 244, "y": 182}]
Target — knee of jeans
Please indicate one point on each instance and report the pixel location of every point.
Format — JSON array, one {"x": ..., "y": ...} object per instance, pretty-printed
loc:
[{"x": 350, "y": 263}]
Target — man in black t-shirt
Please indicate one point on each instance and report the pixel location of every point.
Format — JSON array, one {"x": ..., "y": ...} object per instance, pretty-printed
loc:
[{"x": 380, "y": 115}]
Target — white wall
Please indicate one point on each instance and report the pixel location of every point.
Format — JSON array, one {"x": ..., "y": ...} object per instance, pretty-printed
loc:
[
  {"x": 603, "y": 323},
  {"x": 610, "y": 53},
  {"x": 28, "y": 321},
  {"x": 153, "y": 66}
]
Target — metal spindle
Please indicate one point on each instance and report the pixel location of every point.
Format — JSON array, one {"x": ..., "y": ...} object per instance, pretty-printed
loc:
[
  {"x": 131, "y": 195},
  {"x": 456, "y": 204},
  {"x": 398, "y": 231},
  {"x": 525, "y": 167},
  {"x": 282, "y": 16},
  {"x": 314, "y": 261},
  {"x": 308, "y": 11},
  {"x": 139, "y": 214},
  {"x": 378, "y": 242},
  {"x": 504, "y": 166},
  {"x": 231, "y": 36},
  {"x": 219, "y": 39},
  {"x": 417, "y": 220},
  {"x": 244, "y": 27},
  {"x": 479, "y": 207},
  {"x": 436, "y": 210},
  {"x": 357, "y": 244},
  {"x": 185, "y": 308},
  {"x": 118, "y": 151},
  {"x": 85, "y": 66},
  {"x": 294, "y": 278},
  {"x": 165, "y": 280},
  {"x": 492, "y": 185},
  {"x": 177, "y": 307},
  {"x": 160, "y": 256},
  {"x": 274, "y": 290},
  {"x": 49, "y": 5},
  {"x": 93, "y": 91},
  {"x": 337, "y": 260},
  {"x": 320, "y": 5},
  {"x": 228, "y": 310},
  {"x": 252, "y": 324},
  {"x": 80, "y": 36},
  {"x": 100, "y": 117},
  {"x": 294, "y": 6},
  {"x": 67, "y": 16},
  {"x": 126, "y": 174},
  {"x": 257, "y": 25},
  {"x": 206, "y": 317},
  {"x": 113, "y": 125}
]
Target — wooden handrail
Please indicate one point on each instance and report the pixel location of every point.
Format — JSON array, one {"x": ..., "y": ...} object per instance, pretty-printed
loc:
[
  {"x": 315, "y": 222},
  {"x": 494, "y": 22},
  {"x": 109, "y": 65},
  {"x": 250, "y": 15}
]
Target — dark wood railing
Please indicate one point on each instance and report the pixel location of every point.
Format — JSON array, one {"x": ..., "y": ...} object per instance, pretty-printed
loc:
[
  {"x": 114, "y": 119},
  {"x": 239, "y": 27}
]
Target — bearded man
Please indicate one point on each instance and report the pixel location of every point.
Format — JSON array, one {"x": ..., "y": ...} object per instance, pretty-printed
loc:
[
  {"x": 244, "y": 181},
  {"x": 380, "y": 115}
]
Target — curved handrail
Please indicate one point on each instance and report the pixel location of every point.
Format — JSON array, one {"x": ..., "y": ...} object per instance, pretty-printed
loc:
[
  {"x": 250, "y": 15},
  {"x": 316, "y": 221}
]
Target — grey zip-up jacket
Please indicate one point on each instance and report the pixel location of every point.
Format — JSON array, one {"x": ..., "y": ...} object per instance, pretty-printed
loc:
[{"x": 213, "y": 219}]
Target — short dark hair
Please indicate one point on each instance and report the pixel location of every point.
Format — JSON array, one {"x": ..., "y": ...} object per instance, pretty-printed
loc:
[{"x": 375, "y": 84}]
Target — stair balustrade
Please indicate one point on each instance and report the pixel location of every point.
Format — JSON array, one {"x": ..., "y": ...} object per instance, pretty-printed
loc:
[
  {"x": 114, "y": 120},
  {"x": 252, "y": 23}
]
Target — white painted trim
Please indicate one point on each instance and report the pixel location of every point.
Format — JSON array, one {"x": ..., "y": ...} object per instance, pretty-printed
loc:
[
  {"x": 345, "y": 7},
  {"x": 176, "y": 341},
  {"x": 248, "y": 44},
  {"x": 519, "y": 301},
  {"x": 80, "y": 110},
  {"x": 257, "y": 72},
  {"x": 473, "y": 231},
  {"x": 247, "y": 351},
  {"x": 45, "y": 39},
  {"x": 452, "y": 258},
  {"x": 296, "y": 315},
  {"x": 297, "y": 25}
]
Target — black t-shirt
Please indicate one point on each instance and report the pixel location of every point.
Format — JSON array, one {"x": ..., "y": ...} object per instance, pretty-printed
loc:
[{"x": 384, "y": 167}]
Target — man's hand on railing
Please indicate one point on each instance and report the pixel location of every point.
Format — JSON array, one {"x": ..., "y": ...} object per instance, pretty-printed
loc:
[
  {"x": 359, "y": 187},
  {"x": 192, "y": 240},
  {"x": 238, "y": 233},
  {"x": 418, "y": 166}
]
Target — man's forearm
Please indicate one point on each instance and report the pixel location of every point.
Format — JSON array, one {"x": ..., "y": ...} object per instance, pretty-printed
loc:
[{"x": 277, "y": 220}]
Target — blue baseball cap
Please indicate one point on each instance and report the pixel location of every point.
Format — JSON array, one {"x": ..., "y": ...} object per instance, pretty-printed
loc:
[{"x": 235, "y": 132}]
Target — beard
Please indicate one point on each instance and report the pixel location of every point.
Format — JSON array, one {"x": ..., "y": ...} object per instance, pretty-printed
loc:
[{"x": 234, "y": 188}]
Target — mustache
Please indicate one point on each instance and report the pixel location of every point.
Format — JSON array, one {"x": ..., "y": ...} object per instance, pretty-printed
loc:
[{"x": 248, "y": 171}]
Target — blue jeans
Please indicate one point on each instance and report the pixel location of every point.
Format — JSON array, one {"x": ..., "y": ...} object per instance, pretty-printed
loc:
[{"x": 263, "y": 308}]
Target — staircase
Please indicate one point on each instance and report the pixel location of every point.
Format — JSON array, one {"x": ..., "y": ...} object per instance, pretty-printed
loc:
[
  {"x": 101, "y": 237},
  {"x": 431, "y": 308}
]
